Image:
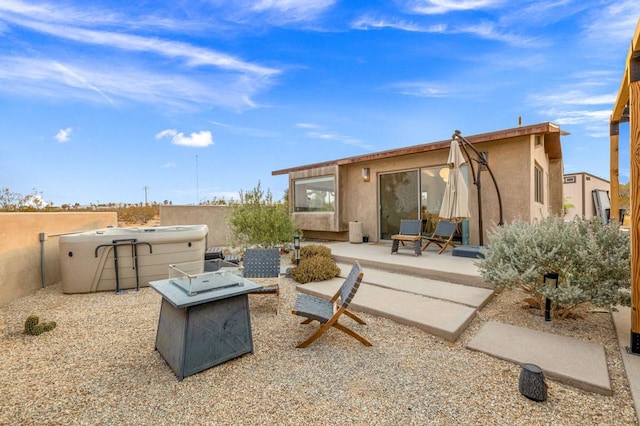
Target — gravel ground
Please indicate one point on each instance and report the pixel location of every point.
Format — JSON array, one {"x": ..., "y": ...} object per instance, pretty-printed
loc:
[{"x": 99, "y": 367}]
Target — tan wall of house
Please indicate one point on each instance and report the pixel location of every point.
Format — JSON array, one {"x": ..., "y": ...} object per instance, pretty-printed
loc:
[
  {"x": 539, "y": 210},
  {"x": 506, "y": 159},
  {"x": 511, "y": 161},
  {"x": 20, "y": 247},
  {"x": 556, "y": 173},
  {"x": 511, "y": 165},
  {"x": 579, "y": 194},
  {"x": 215, "y": 217},
  {"x": 365, "y": 208}
]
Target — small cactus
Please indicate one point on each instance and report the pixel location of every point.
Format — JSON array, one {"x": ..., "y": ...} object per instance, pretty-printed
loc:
[{"x": 34, "y": 327}]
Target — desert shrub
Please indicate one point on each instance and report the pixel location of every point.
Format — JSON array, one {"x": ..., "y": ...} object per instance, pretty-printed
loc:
[
  {"x": 311, "y": 250},
  {"x": 316, "y": 268},
  {"x": 592, "y": 261},
  {"x": 257, "y": 220},
  {"x": 138, "y": 214},
  {"x": 34, "y": 327}
]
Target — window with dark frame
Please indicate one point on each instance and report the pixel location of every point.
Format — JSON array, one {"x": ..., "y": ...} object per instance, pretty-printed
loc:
[
  {"x": 539, "y": 184},
  {"x": 317, "y": 194}
]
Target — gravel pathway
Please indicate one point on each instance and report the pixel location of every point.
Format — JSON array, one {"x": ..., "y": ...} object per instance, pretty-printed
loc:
[{"x": 99, "y": 367}]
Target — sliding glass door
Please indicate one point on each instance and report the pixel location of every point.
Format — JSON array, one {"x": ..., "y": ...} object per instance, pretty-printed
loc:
[
  {"x": 412, "y": 194},
  {"x": 399, "y": 199}
]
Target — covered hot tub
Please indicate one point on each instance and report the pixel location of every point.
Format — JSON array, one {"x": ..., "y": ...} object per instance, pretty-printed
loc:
[{"x": 116, "y": 259}]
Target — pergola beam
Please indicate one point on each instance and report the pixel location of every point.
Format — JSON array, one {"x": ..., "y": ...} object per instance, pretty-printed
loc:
[{"x": 629, "y": 97}]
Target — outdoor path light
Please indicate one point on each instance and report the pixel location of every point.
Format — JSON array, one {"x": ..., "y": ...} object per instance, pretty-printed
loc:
[
  {"x": 551, "y": 281},
  {"x": 296, "y": 247}
]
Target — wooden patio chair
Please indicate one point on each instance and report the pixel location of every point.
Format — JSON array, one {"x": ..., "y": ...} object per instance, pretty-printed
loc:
[
  {"x": 410, "y": 232},
  {"x": 263, "y": 263},
  {"x": 327, "y": 313},
  {"x": 443, "y": 235}
]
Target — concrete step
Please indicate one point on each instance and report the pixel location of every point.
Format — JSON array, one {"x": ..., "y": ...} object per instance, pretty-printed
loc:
[
  {"x": 444, "y": 319},
  {"x": 565, "y": 359},
  {"x": 475, "y": 297}
]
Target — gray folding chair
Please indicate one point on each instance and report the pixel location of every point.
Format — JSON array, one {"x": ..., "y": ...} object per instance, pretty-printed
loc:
[
  {"x": 327, "y": 313},
  {"x": 263, "y": 263},
  {"x": 410, "y": 232}
]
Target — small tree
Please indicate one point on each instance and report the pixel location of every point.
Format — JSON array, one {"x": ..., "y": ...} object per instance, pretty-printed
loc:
[
  {"x": 591, "y": 259},
  {"x": 257, "y": 220}
]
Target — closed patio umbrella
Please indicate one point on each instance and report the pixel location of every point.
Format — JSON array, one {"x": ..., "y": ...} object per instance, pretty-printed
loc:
[{"x": 455, "y": 204}]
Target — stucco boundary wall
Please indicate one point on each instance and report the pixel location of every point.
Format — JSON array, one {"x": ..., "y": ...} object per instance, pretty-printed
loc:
[
  {"x": 215, "y": 217},
  {"x": 21, "y": 249}
]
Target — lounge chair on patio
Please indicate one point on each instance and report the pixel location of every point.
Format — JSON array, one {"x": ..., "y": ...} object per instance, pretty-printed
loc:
[
  {"x": 443, "y": 235},
  {"x": 328, "y": 312},
  {"x": 263, "y": 263},
  {"x": 410, "y": 231}
]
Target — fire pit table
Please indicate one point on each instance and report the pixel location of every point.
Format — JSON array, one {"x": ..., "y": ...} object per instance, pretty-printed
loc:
[{"x": 204, "y": 317}]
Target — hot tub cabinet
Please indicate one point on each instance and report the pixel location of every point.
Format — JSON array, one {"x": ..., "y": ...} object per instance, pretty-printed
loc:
[{"x": 116, "y": 259}]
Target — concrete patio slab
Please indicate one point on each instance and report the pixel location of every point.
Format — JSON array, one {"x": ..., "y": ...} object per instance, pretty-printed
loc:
[
  {"x": 443, "y": 319},
  {"x": 443, "y": 267},
  {"x": 475, "y": 297},
  {"x": 565, "y": 359}
]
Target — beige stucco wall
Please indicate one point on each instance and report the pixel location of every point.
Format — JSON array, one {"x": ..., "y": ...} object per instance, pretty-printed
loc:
[
  {"x": 579, "y": 194},
  {"x": 511, "y": 162},
  {"x": 215, "y": 217},
  {"x": 20, "y": 247}
]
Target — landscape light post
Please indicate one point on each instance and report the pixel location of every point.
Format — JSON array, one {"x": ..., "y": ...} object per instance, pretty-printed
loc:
[
  {"x": 296, "y": 247},
  {"x": 551, "y": 281}
]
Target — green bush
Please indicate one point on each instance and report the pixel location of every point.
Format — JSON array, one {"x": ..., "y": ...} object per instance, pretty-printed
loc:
[
  {"x": 34, "y": 327},
  {"x": 311, "y": 250},
  {"x": 257, "y": 220},
  {"x": 591, "y": 259},
  {"x": 316, "y": 268}
]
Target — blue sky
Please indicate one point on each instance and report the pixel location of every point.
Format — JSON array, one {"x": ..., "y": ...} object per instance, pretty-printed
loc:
[{"x": 197, "y": 99}]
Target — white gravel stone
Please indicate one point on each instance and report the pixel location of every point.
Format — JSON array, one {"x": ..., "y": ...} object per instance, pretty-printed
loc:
[{"x": 99, "y": 366}]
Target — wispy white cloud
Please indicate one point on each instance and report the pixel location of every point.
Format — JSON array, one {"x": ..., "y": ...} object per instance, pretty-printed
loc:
[
  {"x": 261, "y": 133},
  {"x": 314, "y": 131},
  {"x": 615, "y": 22},
  {"x": 169, "y": 165},
  {"x": 421, "y": 89},
  {"x": 486, "y": 30},
  {"x": 63, "y": 135},
  {"x": 307, "y": 126},
  {"x": 574, "y": 97},
  {"x": 368, "y": 22},
  {"x": 437, "y": 7},
  {"x": 200, "y": 139},
  {"x": 198, "y": 76},
  {"x": 193, "y": 55},
  {"x": 490, "y": 31},
  {"x": 582, "y": 117},
  {"x": 276, "y": 12},
  {"x": 91, "y": 16},
  {"x": 95, "y": 82},
  {"x": 571, "y": 107}
]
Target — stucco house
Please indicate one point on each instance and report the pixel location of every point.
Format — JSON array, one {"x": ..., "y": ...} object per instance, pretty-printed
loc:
[
  {"x": 578, "y": 189},
  {"x": 379, "y": 189}
]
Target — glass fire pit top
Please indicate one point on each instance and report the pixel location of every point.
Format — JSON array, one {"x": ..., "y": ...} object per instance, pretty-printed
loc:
[{"x": 208, "y": 275}]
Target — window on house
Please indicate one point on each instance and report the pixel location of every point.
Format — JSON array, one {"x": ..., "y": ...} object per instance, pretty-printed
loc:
[
  {"x": 538, "y": 184},
  {"x": 315, "y": 194},
  {"x": 570, "y": 179},
  {"x": 538, "y": 140}
]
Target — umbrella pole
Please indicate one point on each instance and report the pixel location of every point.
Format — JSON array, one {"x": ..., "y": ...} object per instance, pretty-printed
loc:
[
  {"x": 478, "y": 187},
  {"x": 482, "y": 161}
]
